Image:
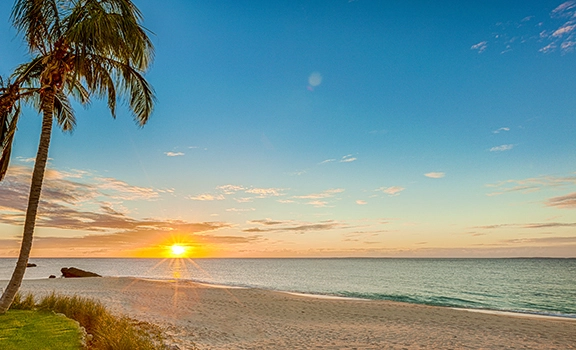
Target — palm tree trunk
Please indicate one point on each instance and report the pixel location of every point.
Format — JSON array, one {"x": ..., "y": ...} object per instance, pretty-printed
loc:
[{"x": 33, "y": 201}]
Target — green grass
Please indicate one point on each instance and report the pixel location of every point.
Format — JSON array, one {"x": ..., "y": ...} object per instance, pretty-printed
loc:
[
  {"x": 105, "y": 330},
  {"x": 38, "y": 330}
]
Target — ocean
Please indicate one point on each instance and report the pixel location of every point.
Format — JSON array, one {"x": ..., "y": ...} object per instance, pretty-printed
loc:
[{"x": 529, "y": 286}]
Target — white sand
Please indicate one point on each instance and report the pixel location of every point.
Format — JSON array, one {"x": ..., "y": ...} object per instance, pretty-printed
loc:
[{"x": 219, "y": 318}]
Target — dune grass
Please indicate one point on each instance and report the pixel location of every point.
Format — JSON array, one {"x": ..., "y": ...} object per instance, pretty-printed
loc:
[
  {"x": 104, "y": 330},
  {"x": 34, "y": 330}
]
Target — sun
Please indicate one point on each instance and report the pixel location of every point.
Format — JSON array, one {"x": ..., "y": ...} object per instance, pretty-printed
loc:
[{"x": 177, "y": 250}]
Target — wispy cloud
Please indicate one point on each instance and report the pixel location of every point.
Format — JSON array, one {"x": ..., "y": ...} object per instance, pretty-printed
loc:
[
  {"x": 74, "y": 189},
  {"x": 265, "y": 192},
  {"x": 532, "y": 184},
  {"x": 268, "y": 222},
  {"x": 240, "y": 210},
  {"x": 206, "y": 197},
  {"x": 230, "y": 189},
  {"x": 326, "y": 194},
  {"x": 174, "y": 154},
  {"x": 481, "y": 46},
  {"x": 298, "y": 227},
  {"x": 553, "y": 32},
  {"x": 568, "y": 201},
  {"x": 435, "y": 175},
  {"x": 501, "y": 148},
  {"x": 392, "y": 191},
  {"x": 347, "y": 159},
  {"x": 66, "y": 204},
  {"x": 318, "y": 204},
  {"x": 497, "y": 131},
  {"x": 361, "y": 202},
  {"x": 529, "y": 225},
  {"x": 541, "y": 240}
]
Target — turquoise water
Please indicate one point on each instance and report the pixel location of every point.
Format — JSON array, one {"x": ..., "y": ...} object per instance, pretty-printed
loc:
[{"x": 536, "y": 286}]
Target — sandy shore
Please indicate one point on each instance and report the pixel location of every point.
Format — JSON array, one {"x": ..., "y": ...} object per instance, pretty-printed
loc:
[{"x": 210, "y": 317}]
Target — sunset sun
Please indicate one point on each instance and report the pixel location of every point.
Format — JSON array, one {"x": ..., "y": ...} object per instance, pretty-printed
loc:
[{"x": 177, "y": 250}]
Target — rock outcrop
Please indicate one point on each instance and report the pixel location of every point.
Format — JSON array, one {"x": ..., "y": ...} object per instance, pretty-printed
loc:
[{"x": 73, "y": 272}]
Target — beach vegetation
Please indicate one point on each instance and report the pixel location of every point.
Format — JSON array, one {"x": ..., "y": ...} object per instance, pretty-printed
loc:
[
  {"x": 79, "y": 49},
  {"x": 102, "y": 329}
]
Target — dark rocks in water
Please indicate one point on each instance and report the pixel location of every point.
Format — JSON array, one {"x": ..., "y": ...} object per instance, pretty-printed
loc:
[
  {"x": 52, "y": 276},
  {"x": 74, "y": 272},
  {"x": 31, "y": 265}
]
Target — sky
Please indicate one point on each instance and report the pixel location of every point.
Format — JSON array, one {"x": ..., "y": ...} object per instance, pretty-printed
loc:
[{"x": 319, "y": 129}]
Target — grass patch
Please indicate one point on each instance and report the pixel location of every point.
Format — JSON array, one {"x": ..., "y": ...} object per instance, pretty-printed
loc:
[
  {"x": 23, "y": 330},
  {"x": 105, "y": 330}
]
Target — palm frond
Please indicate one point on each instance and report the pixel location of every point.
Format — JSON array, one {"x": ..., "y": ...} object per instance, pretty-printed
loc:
[
  {"x": 9, "y": 113},
  {"x": 129, "y": 84},
  {"x": 110, "y": 28},
  {"x": 39, "y": 20},
  {"x": 64, "y": 112}
]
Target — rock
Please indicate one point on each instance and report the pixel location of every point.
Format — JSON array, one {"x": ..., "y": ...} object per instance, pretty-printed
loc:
[
  {"x": 74, "y": 272},
  {"x": 31, "y": 265},
  {"x": 52, "y": 276}
]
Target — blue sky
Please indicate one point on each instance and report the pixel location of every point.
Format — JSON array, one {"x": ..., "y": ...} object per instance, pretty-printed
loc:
[{"x": 326, "y": 128}]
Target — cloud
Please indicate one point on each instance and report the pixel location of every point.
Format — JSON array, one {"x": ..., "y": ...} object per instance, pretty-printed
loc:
[
  {"x": 566, "y": 29},
  {"x": 392, "y": 191},
  {"x": 121, "y": 190},
  {"x": 67, "y": 190},
  {"x": 529, "y": 225},
  {"x": 230, "y": 189},
  {"x": 541, "y": 240},
  {"x": 500, "y": 130},
  {"x": 347, "y": 159},
  {"x": 267, "y": 222},
  {"x": 564, "y": 8},
  {"x": 501, "y": 148},
  {"x": 567, "y": 202},
  {"x": 318, "y": 204},
  {"x": 481, "y": 46},
  {"x": 532, "y": 184},
  {"x": 557, "y": 30},
  {"x": 326, "y": 194},
  {"x": 548, "y": 48},
  {"x": 265, "y": 192},
  {"x": 174, "y": 154},
  {"x": 242, "y": 210},
  {"x": 206, "y": 197},
  {"x": 299, "y": 228},
  {"x": 361, "y": 202},
  {"x": 435, "y": 175}
]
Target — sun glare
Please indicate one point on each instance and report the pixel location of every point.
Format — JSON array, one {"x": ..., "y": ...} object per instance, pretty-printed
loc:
[{"x": 177, "y": 250}]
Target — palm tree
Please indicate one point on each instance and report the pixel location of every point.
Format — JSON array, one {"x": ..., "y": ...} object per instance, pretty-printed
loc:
[
  {"x": 80, "y": 48},
  {"x": 9, "y": 112}
]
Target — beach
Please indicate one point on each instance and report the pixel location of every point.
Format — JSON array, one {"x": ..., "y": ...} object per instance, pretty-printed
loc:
[{"x": 201, "y": 316}]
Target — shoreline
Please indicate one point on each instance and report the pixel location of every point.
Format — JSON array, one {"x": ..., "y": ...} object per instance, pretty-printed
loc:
[
  {"x": 568, "y": 317},
  {"x": 193, "y": 314}
]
